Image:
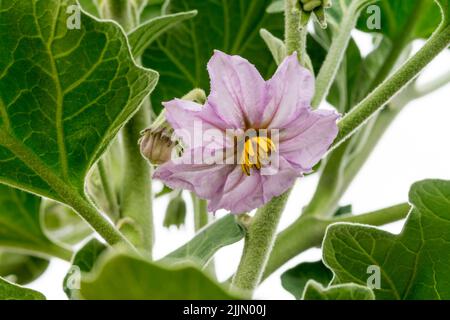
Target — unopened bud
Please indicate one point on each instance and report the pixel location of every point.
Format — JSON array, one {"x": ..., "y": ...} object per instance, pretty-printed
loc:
[
  {"x": 157, "y": 146},
  {"x": 315, "y": 7},
  {"x": 175, "y": 213}
]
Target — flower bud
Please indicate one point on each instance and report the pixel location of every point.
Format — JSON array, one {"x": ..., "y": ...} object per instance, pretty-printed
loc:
[
  {"x": 158, "y": 142},
  {"x": 315, "y": 7},
  {"x": 175, "y": 213},
  {"x": 157, "y": 145}
]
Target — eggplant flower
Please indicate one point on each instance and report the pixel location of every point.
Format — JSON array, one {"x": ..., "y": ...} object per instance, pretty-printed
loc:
[{"x": 252, "y": 138}]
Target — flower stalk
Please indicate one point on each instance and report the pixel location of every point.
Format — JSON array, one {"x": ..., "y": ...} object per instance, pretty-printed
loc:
[
  {"x": 361, "y": 113},
  {"x": 330, "y": 67},
  {"x": 258, "y": 244},
  {"x": 308, "y": 232}
]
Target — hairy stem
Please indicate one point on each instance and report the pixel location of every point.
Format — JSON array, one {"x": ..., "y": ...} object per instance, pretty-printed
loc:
[
  {"x": 295, "y": 36},
  {"x": 308, "y": 232},
  {"x": 258, "y": 244},
  {"x": 360, "y": 114},
  {"x": 136, "y": 185},
  {"x": 136, "y": 194},
  {"x": 107, "y": 187},
  {"x": 330, "y": 67}
]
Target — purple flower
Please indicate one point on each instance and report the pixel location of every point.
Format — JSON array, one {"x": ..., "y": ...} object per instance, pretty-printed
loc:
[{"x": 270, "y": 120}]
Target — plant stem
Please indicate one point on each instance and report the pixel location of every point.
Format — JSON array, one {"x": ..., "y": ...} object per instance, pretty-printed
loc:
[
  {"x": 136, "y": 194},
  {"x": 295, "y": 36},
  {"x": 258, "y": 244},
  {"x": 107, "y": 188},
  {"x": 359, "y": 115},
  {"x": 136, "y": 188},
  {"x": 65, "y": 193},
  {"x": 330, "y": 67},
  {"x": 308, "y": 232},
  {"x": 201, "y": 217}
]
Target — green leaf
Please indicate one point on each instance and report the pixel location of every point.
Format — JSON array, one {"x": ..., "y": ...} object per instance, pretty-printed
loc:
[
  {"x": 10, "y": 291},
  {"x": 20, "y": 225},
  {"x": 294, "y": 280},
  {"x": 275, "y": 45},
  {"x": 208, "y": 241},
  {"x": 143, "y": 36},
  {"x": 90, "y": 7},
  {"x": 21, "y": 268},
  {"x": 64, "y": 95},
  {"x": 142, "y": 280},
  {"x": 414, "y": 264},
  {"x": 62, "y": 224},
  {"x": 152, "y": 10},
  {"x": 232, "y": 26},
  {"x": 175, "y": 212},
  {"x": 419, "y": 19},
  {"x": 83, "y": 261},
  {"x": 315, "y": 291}
]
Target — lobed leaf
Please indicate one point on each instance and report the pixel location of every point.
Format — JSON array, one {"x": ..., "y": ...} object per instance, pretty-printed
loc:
[
  {"x": 143, "y": 280},
  {"x": 64, "y": 95},
  {"x": 414, "y": 264}
]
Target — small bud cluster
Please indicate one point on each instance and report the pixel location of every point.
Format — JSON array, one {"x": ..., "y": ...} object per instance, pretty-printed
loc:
[{"x": 315, "y": 7}]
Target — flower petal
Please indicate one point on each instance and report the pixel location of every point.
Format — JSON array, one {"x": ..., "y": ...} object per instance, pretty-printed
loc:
[
  {"x": 279, "y": 183},
  {"x": 191, "y": 121},
  {"x": 206, "y": 180},
  {"x": 306, "y": 139},
  {"x": 291, "y": 90},
  {"x": 237, "y": 90},
  {"x": 240, "y": 194}
]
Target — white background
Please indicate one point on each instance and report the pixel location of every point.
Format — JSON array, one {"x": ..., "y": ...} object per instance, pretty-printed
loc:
[{"x": 416, "y": 147}]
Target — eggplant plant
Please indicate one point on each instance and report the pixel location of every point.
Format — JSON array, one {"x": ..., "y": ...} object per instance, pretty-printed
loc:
[{"x": 223, "y": 103}]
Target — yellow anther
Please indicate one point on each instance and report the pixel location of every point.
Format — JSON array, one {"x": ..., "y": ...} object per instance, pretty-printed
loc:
[{"x": 251, "y": 159}]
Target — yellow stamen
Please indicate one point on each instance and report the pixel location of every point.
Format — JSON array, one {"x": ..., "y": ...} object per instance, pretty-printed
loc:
[{"x": 251, "y": 159}]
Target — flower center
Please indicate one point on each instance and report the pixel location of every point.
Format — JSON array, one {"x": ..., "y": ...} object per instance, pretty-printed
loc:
[{"x": 256, "y": 152}]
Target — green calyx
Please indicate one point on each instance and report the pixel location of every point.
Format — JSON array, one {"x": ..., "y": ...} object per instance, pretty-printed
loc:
[{"x": 316, "y": 8}]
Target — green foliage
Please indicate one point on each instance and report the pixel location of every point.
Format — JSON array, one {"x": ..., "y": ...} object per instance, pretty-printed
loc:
[
  {"x": 83, "y": 261},
  {"x": 418, "y": 18},
  {"x": 414, "y": 264},
  {"x": 295, "y": 280},
  {"x": 207, "y": 242},
  {"x": 64, "y": 94},
  {"x": 62, "y": 224},
  {"x": 315, "y": 291},
  {"x": 142, "y": 280},
  {"x": 181, "y": 55},
  {"x": 20, "y": 224},
  {"x": 144, "y": 35},
  {"x": 21, "y": 268},
  {"x": 10, "y": 291}
]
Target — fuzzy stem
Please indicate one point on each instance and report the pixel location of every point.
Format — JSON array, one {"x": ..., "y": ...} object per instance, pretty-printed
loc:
[
  {"x": 107, "y": 187},
  {"x": 258, "y": 244},
  {"x": 136, "y": 192},
  {"x": 360, "y": 114},
  {"x": 136, "y": 187},
  {"x": 336, "y": 53},
  {"x": 65, "y": 193},
  {"x": 295, "y": 36},
  {"x": 308, "y": 232}
]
